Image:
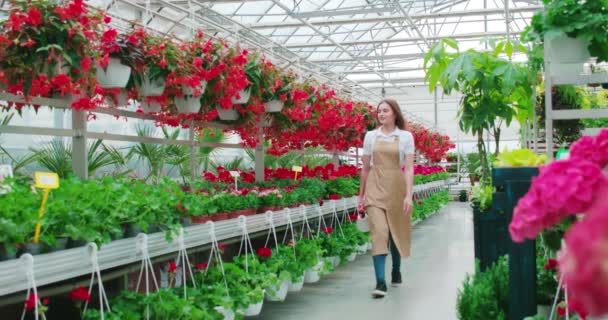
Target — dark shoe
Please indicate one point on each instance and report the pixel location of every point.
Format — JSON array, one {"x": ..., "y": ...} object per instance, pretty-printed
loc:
[
  {"x": 380, "y": 291},
  {"x": 396, "y": 279}
]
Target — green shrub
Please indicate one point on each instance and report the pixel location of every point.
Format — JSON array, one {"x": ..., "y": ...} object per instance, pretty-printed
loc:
[{"x": 485, "y": 294}]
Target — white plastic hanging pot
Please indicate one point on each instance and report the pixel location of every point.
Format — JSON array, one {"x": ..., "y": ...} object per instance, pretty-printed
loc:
[
  {"x": 189, "y": 91},
  {"x": 351, "y": 257},
  {"x": 274, "y": 106},
  {"x": 335, "y": 260},
  {"x": 116, "y": 75},
  {"x": 543, "y": 310},
  {"x": 296, "y": 286},
  {"x": 244, "y": 97},
  {"x": 122, "y": 99},
  {"x": 228, "y": 314},
  {"x": 369, "y": 246},
  {"x": 312, "y": 275},
  {"x": 188, "y": 104},
  {"x": 151, "y": 106},
  {"x": 277, "y": 292},
  {"x": 362, "y": 249},
  {"x": 567, "y": 55},
  {"x": 227, "y": 114},
  {"x": 363, "y": 224},
  {"x": 253, "y": 309},
  {"x": 152, "y": 88}
]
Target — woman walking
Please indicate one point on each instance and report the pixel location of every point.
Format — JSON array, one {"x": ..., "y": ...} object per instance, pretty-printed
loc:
[{"x": 386, "y": 191}]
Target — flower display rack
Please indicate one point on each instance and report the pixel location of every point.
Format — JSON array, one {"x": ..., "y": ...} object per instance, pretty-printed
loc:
[{"x": 58, "y": 266}]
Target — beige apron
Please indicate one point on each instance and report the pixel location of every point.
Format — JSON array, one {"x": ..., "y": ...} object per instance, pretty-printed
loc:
[{"x": 384, "y": 194}]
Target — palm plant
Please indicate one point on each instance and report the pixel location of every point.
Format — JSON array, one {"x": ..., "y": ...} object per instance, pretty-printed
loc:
[
  {"x": 56, "y": 156},
  {"x": 153, "y": 154},
  {"x": 16, "y": 163},
  {"x": 206, "y": 154}
]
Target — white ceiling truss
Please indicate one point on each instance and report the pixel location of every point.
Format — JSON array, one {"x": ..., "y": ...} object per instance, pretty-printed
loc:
[{"x": 356, "y": 46}]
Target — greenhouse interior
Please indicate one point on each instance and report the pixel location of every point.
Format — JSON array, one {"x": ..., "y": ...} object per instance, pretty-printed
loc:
[{"x": 305, "y": 159}]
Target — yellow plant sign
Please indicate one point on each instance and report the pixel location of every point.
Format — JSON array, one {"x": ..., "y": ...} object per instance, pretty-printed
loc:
[{"x": 46, "y": 181}]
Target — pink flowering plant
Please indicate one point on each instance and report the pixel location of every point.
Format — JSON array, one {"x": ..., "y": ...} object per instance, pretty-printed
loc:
[{"x": 574, "y": 187}]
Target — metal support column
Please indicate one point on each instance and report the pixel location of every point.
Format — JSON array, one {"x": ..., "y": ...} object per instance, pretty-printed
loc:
[
  {"x": 79, "y": 144},
  {"x": 335, "y": 159},
  {"x": 548, "y": 102},
  {"x": 259, "y": 156},
  {"x": 436, "y": 110},
  {"x": 193, "y": 162}
]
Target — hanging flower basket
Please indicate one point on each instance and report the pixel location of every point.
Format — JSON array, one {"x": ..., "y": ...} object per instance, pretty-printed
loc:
[
  {"x": 277, "y": 292},
  {"x": 188, "y": 104},
  {"x": 151, "y": 106},
  {"x": 362, "y": 249},
  {"x": 228, "y": 314},
  {"x": 362, "y": 224},
  {"x": 189, "y": 91},
  {"x": 152, "y": 88},
  {"x": 274, "y": 106},
  {"x": 296, "y": 286},
  {"x": 568, "y": 55},
  {"x": 122, "y": 100},
  {"x": 312, "y": 275},
  {"x": 227, "y": 114},
  {"x": 351, "y": 257},
  {"x": 253, "y": 309},
  {"x": 116, "y": 75},
  {"x": 244, "y": 97}
]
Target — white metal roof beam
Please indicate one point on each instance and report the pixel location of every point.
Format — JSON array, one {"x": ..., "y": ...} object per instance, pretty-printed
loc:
[
  {"x": 396, "y": 40},
  {"x": 434, "y": 15},
  {"x": 327, "y": 37}
]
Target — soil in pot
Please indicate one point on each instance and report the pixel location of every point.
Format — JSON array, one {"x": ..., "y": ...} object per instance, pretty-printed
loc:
[{"x": 131, "y": 230}]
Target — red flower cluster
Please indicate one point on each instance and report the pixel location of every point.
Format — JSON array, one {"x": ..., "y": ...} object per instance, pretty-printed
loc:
[
  {"x": 172, "y": 267},
  {"x": 551, "y": 264},
  {"x": 202, "y": 266},
  {"x": 432, "y": 145},
  {"x": 327, "y": 230},
  {"x": 264, "y": 252},
  {"x": 32, "y": 300},
  {"x": 427, "y": 170},
  {"x": 80, "y": 294}
]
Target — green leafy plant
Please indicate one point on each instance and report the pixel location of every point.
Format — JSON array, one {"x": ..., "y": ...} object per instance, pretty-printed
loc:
[
  {"x": 520, "y": 158},
  {"x": 494, "y": 89},
  {"x": 483, "y": 196},
  {"x": 577, "y": 19},
  {"x": 485, "y": 294}
]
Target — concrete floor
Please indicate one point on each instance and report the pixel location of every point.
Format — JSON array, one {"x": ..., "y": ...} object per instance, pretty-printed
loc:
[{"x": 442, "y": 254}]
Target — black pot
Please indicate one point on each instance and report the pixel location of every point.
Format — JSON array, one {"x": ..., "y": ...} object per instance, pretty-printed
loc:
[
  {"x": 186, "y": 221},
  {"x": 60, "y": 244},
  {"x": 131, "y": 230},
  {"x": 4, "y": 255},
  {"x": 605, "y": 85},
  {"x": 76, "y": 243},
  {"x": 32, "y": 248}
]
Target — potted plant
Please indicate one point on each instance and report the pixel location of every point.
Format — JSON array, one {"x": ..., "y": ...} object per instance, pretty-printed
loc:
[
  {"x": 46, "y": 50},
  {"x": 463, "y": 196},
  {"x": 117, "y": 55},
  {"x": 571, "y": 27}
]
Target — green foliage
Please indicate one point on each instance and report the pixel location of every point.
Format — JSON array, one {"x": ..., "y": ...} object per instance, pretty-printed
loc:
[
  {"x": 423, "y": 207},
  {"x": 422, "y": 179},
  {"x": 344, "y": 187},
  {"x": 493, "y": 88},
  {"x": 483, "y": 196},
  {"x": 485, "y": 294},
  {"x": 520, "y": 158},
  {"x": 565, "y": 97},
  {"x": 577, "y": 19}
]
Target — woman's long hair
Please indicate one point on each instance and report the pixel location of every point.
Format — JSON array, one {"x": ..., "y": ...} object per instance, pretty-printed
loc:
[{"x": 399, "y": 120}]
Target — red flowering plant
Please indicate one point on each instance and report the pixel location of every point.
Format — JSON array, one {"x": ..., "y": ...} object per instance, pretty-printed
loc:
[
  {"x": 45, "y": 50},
  {"x": 161, "y": 57},
  {"x": 264, "y": 252},
  {"x": 79, "y": 296},
  {"x": 33, "y": 301},
  {"x": 226, "y": 74}
]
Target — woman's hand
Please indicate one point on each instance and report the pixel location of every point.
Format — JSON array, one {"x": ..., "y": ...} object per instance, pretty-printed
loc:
[
  {"x": 361, "y": 203},
  {"x": 408, "y": 206}
]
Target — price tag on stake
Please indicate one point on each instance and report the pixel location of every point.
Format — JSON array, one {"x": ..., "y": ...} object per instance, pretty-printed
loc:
[
  {"x": 235, "y": 175},
  {"x": 46, "y": 181},
  {"x": 296, "y": 169}
]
